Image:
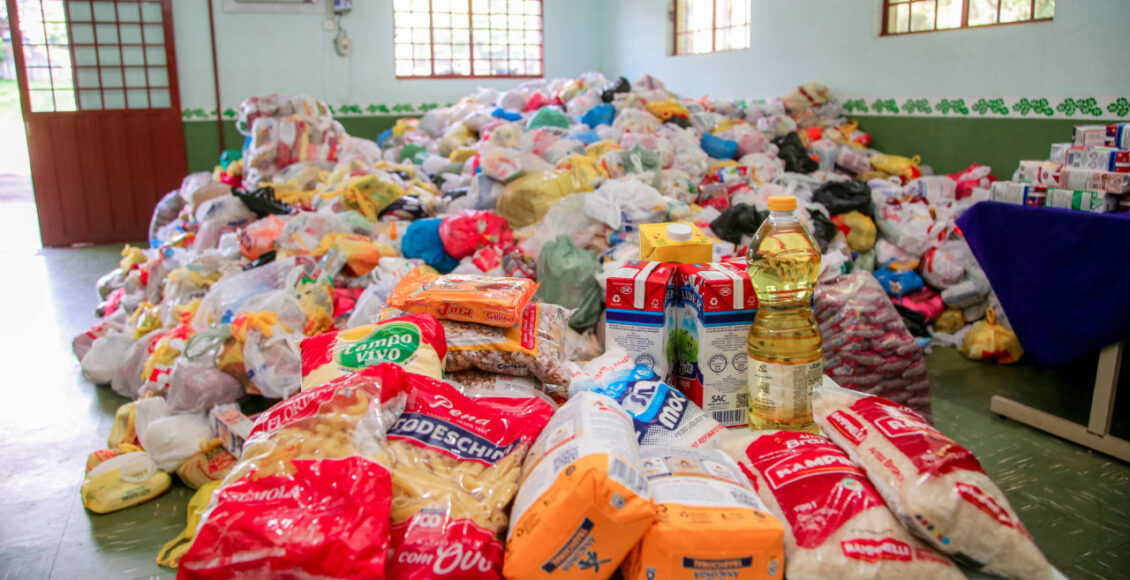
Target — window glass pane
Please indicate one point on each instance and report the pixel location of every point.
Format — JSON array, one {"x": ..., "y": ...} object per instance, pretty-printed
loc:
[
  {"x": 138, "y": 98},
  {"x": 81, "y": 34},
  {"x": 151, "y": 12},
  {"x": 949, "y": 14},
  {"x": 112, "y": 77},
  {"x": 155, "y": 54},
  {"x": 130, "y": 33},
  {"x": 109, "y": 56},
  {"x": 107, "y": 33},
  {"x": 62, "y": 78},
  {"x": 60, "y": 56},
  {"x": 33, "y": 33},
  {"x": 114, "y": 99},
  {"x": 982, "y": 12},
  {"x": 104, "y": 12},
  {"x": 1016, "y": 10},
  {"x": 79, "y": 11},
  {"x": 90, "y": 100},
  {"x": 158, "y": 77},
  {"x": 1045, "y": 8},
  {"x": 53, "y": 11},
  {"x": 56, "y": 33},
  {"x": 85, "y": 56},
  {"x": 154, "y": 34},
  {"x": 135, "y": 77},
  {"x": 922, "y": 16},
  {"x": 128, "y": 12},
  {"x": 38, "y": 78},
  {"x": 133, "y": 55},
  {"x": 87, "y": 78},
  {"x": 65, "y": 101},
  {"x": 159, "y": 98},
  {"x": 898, "y": 19},
  {"x": 41, "y": 101}
]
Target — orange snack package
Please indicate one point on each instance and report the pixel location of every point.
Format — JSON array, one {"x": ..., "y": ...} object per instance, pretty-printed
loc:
[{"x": 489, "y": 300}]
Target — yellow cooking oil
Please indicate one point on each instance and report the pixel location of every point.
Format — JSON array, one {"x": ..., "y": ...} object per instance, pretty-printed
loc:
[{"x": 785, "y": 346}]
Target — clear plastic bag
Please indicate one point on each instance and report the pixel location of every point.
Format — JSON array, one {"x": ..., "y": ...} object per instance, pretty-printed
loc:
[
  {"x": 105, "y": 355},
  {"x": 935, "y": 486}
]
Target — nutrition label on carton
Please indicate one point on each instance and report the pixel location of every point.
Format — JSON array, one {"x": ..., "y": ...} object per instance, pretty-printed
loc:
[{"x": 782, "y": 393}]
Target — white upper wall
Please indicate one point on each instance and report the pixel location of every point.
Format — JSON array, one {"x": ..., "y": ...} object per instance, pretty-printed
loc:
[
  {"x": 1082, "y": 52},
  {"x": 292, "y": 53}
]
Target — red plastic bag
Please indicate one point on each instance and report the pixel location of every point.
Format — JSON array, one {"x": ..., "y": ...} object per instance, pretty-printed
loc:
[
  {"x": 307, "y": 498},
  {"x": 976, "y": 175},
  {"x": 456, "y": 465},
  {"x": 926, "y": 301},
  {"x": 466, "y": 231}
]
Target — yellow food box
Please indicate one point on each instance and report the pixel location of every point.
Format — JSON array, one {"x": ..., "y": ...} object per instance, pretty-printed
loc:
[{"x": 675, "y": 243}]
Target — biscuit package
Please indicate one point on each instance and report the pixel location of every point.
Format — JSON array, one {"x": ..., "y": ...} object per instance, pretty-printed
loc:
[{"x": 464, "y": 297}]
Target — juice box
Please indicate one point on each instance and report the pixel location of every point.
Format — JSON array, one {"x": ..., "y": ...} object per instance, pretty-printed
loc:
[
  {"x": 1092, "y": 201},
  {"x": 642, "y": 299},
  {"x": 674, "y": 243},
  {"x": 1090, "y": 135},
  {"x": 717, "y": 306},
  {"x": 1085, "y": 179},
  {"x": 1098, "y": 159},
  {"x": 232, "y": 427}
]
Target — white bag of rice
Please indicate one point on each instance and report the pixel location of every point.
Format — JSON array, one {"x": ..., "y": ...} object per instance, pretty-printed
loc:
[
  {"x": 836, "y": 525},
  {"x": 933, "y": 484}
]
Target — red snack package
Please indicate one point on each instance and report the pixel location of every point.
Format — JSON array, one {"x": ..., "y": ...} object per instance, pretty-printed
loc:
[
  {"x": 456, "y": 462},
  {"x": 466, "y": 231},
  {"x": 308, "y": 498}
]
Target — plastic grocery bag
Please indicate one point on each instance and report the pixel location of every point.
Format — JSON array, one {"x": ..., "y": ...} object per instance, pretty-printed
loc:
[
  {"x": 172, "y": 551},
  {"x": 791, "y": 149},
  {"x": 990, "y": 342},
  {"x": 225, "y": 297},
  {"x": 858, "y": 229},
  {"x": 583, "y": 478},
  {"x": 422, "y": 241},
  {"x": 105, "y": 356},
  {"x": 898, "y": 279},
  {"x": 170, "y": 439},
  {"x": 121, "y": 482},
  {"x": 566, "y": 277},
  {"x": 464, "y": 232},
  {"x": 710, "y": 521},
  {"x": 738, "y": 223},
  {"x": 936, "y": 487},
  {"x": 836, "y": 525},
  {"x": 867, "y": 346},
  {"x": 844, "y": 197},
  {"x": 526, "y": 200},
  {"x": 624, "y": 202},
  {"x": 944, "y": 265}
]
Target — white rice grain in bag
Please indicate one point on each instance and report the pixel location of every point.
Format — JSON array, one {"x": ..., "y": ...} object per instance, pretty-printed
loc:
[
  {"x": 933, "y": 484},
  {"x": 836, "y": 525}
]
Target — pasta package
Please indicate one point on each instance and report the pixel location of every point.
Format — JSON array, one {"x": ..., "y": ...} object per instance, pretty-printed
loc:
[
  {"x": 455, "y": 461},
  {"x": 416, "y": 343},
  {"x": 836, "y": 523},
  {"x": 489, "y": 300},
  {"x": 710, "y": 522},
  {"x": 535, "y": 347},
  {"x": 584, "y": 501},
  {"x": 936, "y": 486},
  {"x": 308, "y": 498}
]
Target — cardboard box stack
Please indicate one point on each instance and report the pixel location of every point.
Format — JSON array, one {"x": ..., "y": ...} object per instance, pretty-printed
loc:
[{"x": 1092, "y": 173}]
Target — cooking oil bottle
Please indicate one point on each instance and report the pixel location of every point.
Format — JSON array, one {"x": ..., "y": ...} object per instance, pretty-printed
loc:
[{"x": 786, "y": 356}]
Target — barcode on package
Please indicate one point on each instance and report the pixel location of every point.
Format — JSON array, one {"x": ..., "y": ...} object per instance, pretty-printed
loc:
[
  {"x": 562, "y": 461},
  {"x": 731, "y": 417},
  {"x": 621, "y": 471}
]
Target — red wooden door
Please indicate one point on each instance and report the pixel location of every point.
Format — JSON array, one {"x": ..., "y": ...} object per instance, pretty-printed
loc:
[{"x": 98, "y": 87}]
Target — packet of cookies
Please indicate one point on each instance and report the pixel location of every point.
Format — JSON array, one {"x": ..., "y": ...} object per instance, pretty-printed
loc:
[{"x": 489, "y": 300}]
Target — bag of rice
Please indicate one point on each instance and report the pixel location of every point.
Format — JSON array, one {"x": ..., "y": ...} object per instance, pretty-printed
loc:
[
  {"x": 456, "y": 461},
  {"x": 935, "y": 486},
  {"x": 661, "y": 414},
  {"x": 711, "y": 524},
  {"x": 837, "y": 526},
  {"x": 583, "y": 503},
  {"x": 489, "y": 300},
  {"x": 415, "y": 342},
  {"x": 535, "y": 347}
]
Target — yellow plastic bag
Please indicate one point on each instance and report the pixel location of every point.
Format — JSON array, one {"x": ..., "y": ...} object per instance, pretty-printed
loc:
[
  {"x": 584, "y": 168},
  {"x": 526, "y": 200},
  {"x": 668, "y": 108},
  {"x": 123, "y": 431},
  {"x": 209, "y": 465},
  {"x": 361, "y": 253},
  {"x": 990, "y": 342},
  {"x": 598, "y": 149},
  {"x": 904, "y": 167},
  {"x": 123, "y": 481},
  {"x": 98, "y": 457},
  {"x": 858, "y": 229},
  {"x": 950, "y": 321},
  {"x": 367, "y": 194},
  {"x": 170, "y": 554}
]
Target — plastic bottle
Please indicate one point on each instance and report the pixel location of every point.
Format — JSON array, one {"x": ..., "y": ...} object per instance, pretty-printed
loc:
[{"x": 786, "y": 355}]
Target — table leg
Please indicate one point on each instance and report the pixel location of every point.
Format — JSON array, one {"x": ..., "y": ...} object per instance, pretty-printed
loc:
[{"x": 1096, "y": 435}]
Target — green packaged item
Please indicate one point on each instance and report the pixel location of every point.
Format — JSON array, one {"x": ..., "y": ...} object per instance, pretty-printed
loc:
[
  {"x": 566, "y": 276},
  {"x": 413, "y": 152},
  {"x": 638, "y": 160},
  {"x": 548, "y": 117}
]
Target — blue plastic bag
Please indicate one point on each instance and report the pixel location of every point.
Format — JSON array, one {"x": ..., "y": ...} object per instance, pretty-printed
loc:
[
  {"x": 384, "y": 136},
  {"x": 506, "y": 115},
  {"x": 587, "y": 137},
  {"x": 718, "y": 147},
  {"x": 421, "y": 240},
  {"x": 898, "y": 283},
  {"x": 599, "y": 115}
]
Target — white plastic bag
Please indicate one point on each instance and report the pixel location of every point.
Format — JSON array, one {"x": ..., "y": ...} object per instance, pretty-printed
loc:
[
  {"x": 625, "y": 199},
  {"x": 105, "y": 356},
  {"x": 195, "y": 387},
  {"x": 944, "y": 266},
  {"x": 169, "y": 439}
]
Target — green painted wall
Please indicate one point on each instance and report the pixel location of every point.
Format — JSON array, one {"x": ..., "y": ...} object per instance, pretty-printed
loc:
[
  {"x": 203, "y": 147},
  {"x": 949, "y": 145}
]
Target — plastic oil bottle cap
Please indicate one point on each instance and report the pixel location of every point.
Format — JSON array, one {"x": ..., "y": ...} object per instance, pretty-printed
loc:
[
  {"x": 782, "y": 203},
  {"x": 679, "y": 232}
]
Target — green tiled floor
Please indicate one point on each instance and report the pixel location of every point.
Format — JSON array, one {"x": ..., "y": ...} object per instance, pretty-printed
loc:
[{"x": 1075, "y": 503}]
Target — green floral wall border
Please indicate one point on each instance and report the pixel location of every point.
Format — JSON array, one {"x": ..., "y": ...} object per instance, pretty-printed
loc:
[
  {"x": 340, "y": 110},
  {"x": 1081, "y": 108}
]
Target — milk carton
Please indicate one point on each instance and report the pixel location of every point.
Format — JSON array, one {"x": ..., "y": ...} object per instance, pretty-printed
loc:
[
  {"x": 642, "y": 299},
  {"x": 717, "y": 306}
]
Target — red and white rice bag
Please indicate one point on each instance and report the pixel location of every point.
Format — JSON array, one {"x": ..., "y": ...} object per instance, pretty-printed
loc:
[
  {"x": 836, "y": 525},
  {"x": 456, "y": 462},
  {"x": 933, "y": 484},
  {"x": 309, "y": 497}
]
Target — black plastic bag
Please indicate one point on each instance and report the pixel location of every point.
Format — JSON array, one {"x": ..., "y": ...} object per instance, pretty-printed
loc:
[
  {"x": 263, "y": 202},
  {"x": 741, "y": 219},
  {"x": 620, "y": 86},
  {"x": 406, "y": 207},
  {"x": 845, "y": 197},
  {"x": 915, "y": 321},
  {"x": 792, "y": 150},
  {"x": 678, "y": 121},
  {"x": 822, "y": 229},
  {"x": 263, "y": 259}
]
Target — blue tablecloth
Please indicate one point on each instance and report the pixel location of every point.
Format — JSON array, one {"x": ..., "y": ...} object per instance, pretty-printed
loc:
[{"x": 1062, "y": 276}]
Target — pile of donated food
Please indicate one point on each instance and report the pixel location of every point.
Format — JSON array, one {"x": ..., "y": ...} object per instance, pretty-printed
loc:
[{"x": 387, "y": 359}]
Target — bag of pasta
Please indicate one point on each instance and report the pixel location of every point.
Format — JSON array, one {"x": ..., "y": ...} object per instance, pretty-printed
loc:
[
  {"x": 535, "y": 347},
  {"x": 455, "y": 466},
  {"x": 934, "y": 485},
  {"x": 836, "y": 525},
  {"x": 308, "y": 497},
  {"x": 486, "y": 300},
  {"x": 711, "y": 523},
  {"x": 584, "y": 502},
  {"x": 415, "y": 342}
]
